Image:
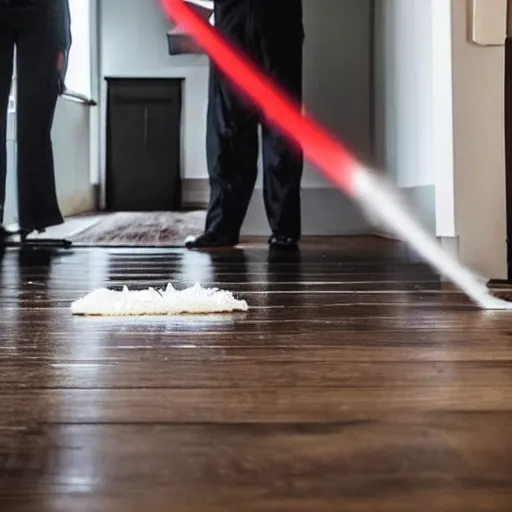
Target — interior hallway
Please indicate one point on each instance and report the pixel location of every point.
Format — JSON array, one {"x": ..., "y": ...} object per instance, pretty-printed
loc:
[{"x": 356, "y": 382}]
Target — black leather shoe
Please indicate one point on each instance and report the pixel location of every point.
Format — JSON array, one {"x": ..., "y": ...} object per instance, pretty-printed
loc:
[
  {"x": 283, "y": 243},
  {"x": 209, "y": 240}
]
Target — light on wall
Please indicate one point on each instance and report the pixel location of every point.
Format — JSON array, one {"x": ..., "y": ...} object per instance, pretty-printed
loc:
[{"x": 78, "y": 77}]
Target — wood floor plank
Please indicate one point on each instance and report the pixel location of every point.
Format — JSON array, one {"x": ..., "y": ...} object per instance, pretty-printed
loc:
[
  {"x": 240, "y": 374},
  {"x": 394, "y": 459},
  {"x": 440, "y": 494},
  {"x": 243, "y": 405}
]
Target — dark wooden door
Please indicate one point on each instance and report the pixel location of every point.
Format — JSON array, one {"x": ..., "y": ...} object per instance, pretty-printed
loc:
[{"x": 143, "y": 144}]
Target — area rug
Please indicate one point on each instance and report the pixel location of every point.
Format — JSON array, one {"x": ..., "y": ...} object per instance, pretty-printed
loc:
[{"x": 142, "y": 229}]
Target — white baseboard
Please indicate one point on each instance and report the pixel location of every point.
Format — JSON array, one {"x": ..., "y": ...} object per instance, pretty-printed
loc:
[
  {"x": 77, "y": 202},
  {"x": 325, "y": 211},
  {"x": 195, "y": 193}
]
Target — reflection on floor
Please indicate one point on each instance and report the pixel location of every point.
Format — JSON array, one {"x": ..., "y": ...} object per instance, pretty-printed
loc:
[{"x": 356, "y": 382}]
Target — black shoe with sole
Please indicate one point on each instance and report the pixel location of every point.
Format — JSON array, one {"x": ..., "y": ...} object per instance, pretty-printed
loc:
[
  {"x": 283, "y": 243},
  {"x": 209, "y": 240}
]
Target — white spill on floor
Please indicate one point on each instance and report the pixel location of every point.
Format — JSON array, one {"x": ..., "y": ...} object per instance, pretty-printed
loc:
[{"x": 169, "y": 301}]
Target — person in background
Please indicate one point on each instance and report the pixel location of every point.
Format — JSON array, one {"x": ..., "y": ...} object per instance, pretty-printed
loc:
[
  {"x": 271, "y": 33},
  {"x": 40, "y": 30}
]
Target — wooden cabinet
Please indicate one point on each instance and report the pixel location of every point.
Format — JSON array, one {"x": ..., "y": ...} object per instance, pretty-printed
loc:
[{"x": 143, "y": 144}]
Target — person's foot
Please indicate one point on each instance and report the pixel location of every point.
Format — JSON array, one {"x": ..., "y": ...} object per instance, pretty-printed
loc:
[
  {"x": 24, "y": 233},
  {"x": 209, "y": 240},
  {"x": 283, "y": 243},
  {"x": 5, "y": 233}
]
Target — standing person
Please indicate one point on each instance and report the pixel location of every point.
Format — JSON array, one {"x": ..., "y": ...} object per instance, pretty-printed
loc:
[
  {"x": 271, "y": 33},
  {"x": 40, "y": 32}
]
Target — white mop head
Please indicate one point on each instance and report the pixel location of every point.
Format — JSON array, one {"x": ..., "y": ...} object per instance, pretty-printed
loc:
[{"x": 193, "y": 300}]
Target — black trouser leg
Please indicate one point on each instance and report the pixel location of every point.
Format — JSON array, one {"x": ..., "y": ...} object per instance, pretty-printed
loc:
[
  {"x": 282, "y": 184},
  {"x": 232, "y": 134},
  {"x": 232, "y": 155},
  {"x": 6, "y": 62},
  {"x": 38, "y": 90},
  {"x": 282, "y": 161}
]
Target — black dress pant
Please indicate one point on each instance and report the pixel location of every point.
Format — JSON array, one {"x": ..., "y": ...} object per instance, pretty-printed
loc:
[
  {"x": 34, "y": 34},
  {"x": 270, "y": 32}
]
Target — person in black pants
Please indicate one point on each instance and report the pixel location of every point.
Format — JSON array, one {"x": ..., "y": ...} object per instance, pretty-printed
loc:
[
  {"x": 40, "y": 32},
  {"x": 270, "y": 32}
]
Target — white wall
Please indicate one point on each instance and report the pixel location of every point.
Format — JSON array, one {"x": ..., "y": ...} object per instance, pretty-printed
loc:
[
  {"x": 10, "y": 214},
  {"x": 442, "y": 108},
  {"x": 406, "y": 77},
  {"x": 408, "y": 92},
  {"x": 70, "y": 135},
  {"x": 479, "y": 151}
]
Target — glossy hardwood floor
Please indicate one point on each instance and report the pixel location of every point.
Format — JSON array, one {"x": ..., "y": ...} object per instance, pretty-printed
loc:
[{"x": 356, "y": 382}]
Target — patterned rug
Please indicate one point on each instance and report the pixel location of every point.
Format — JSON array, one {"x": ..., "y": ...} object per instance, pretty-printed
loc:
[{"x": 143, "y": 229}]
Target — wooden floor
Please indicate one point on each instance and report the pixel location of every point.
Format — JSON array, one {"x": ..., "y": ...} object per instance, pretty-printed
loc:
[{"x": 356, "y": 382}]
